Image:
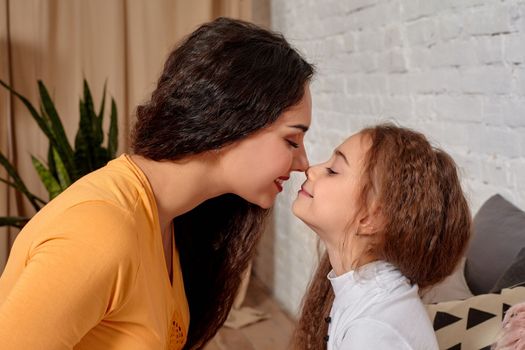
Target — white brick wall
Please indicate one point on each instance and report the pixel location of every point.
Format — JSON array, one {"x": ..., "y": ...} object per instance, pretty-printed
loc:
[{"x": 453, "y": 69}]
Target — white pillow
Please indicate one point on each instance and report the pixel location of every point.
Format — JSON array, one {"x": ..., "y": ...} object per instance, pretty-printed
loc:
[{"x": 454, "y": 287}]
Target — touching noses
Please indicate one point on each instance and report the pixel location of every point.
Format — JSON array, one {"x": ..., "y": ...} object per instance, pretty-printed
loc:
[
  {"x": 300, "y": 161},
  {"x": 311, "y": 172}
]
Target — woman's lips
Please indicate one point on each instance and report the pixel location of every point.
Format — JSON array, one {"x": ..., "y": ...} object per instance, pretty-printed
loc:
[{"x": 280, "y": 181}]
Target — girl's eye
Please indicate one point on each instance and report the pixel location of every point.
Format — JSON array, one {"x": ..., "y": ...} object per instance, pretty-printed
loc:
[
  {"x": 330, "y": 171},
  {"x": 293, "y": 144}
]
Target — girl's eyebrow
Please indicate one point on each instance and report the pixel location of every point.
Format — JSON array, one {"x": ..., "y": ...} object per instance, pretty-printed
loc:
[
  {"x": 337, "y": 152},
  {"x": 301, "y": 127}
]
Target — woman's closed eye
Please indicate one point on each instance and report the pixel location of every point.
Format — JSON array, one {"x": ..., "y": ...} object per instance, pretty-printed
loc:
[{"x": 293, "y": 144}]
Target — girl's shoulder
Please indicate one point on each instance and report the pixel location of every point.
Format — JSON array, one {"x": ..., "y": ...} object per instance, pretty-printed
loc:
[
  {"x": 371, "y": 333},
  {"x": 379, "y": 305}
]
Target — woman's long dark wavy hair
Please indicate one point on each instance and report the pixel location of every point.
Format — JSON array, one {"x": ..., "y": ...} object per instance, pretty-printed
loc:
[
  {"x": 427, "y": 221},
  {"x": 227, "y": 80}
]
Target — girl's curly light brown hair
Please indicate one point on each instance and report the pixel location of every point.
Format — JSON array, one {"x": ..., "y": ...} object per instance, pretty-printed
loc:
[{"x": 426, "y": 221}]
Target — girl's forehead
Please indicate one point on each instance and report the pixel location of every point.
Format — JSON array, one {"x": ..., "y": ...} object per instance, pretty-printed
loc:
[{"x": 356, "y": 142}]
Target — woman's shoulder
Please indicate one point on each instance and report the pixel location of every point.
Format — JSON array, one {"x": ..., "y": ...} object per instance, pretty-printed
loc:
[
  {"x": 95, "y": 226},
  {"x": 102, "y": 213},
  {"x": 119, "y": 182},
  {"x": 109, "y": 199}
]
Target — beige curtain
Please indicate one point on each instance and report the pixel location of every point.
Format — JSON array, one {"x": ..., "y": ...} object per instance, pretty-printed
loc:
[{"x": 121, "y": 42}]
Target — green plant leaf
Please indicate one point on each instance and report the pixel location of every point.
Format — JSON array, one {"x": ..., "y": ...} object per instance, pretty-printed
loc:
[
  {"x": 84, "y": 142},
  {"x": 101, "y": 154},
  {"x": 12, "y": 184},
  {"x": 103, "y": 103},
  {"x": 51, "y": 161},
  {"x": 37, "y": 117},
  {"x": 51, "y": 184},
  {"x": 65, "y": 150},
  {"x": 46, "y": 118},
  {"x": 96, "y": 122},
  {"x": 102, "y": 157},
  {"x": 66, "y": 164},
  {"x": 63, "y": 177},
  {"x": 18, "y": 183},
  {"x": 89, "y": 153},
  {"x": 113, "y": 131},
  {"x": 15, "y": 221}
]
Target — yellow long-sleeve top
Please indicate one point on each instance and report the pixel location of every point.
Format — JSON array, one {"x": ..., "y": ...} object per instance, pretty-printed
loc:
[{"x": 89, "y": 271}]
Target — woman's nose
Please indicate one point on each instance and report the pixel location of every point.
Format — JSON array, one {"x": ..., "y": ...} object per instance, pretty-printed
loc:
[{"x": 300, "y": 162}]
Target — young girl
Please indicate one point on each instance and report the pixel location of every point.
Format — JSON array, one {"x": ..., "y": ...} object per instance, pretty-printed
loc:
[
  {"x": 391, "y": 213},
  {"x": 147, "y": 252}
]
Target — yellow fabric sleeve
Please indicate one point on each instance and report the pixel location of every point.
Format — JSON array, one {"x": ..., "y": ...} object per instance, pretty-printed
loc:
[{"x": 73, "y": 277}]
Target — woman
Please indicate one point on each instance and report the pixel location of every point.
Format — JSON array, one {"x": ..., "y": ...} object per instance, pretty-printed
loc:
[
  {"x": 390, "y": 210},
  {"x": 147, "y": 252}
]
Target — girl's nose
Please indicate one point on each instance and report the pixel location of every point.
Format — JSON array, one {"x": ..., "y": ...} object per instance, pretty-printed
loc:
[{"x": 312, "y": 172}]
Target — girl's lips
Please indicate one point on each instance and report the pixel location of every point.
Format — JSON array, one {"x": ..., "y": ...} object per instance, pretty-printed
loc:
[{"x": 305, "y": 193}]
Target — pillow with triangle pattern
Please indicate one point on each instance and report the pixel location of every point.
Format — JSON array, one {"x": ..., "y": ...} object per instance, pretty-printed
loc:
[{"x": 473, "y": 323}]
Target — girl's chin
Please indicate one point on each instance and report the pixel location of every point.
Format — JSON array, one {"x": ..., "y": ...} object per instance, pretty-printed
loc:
[
  {"x": 299, "y": 213},
  {"x": 296, "y": 210}
]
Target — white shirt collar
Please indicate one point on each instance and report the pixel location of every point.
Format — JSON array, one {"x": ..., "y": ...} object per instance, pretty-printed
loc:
[{"x": 375, "y": 274}]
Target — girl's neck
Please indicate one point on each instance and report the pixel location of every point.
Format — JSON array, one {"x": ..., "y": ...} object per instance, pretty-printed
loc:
[{"x": 348, "y": 258}]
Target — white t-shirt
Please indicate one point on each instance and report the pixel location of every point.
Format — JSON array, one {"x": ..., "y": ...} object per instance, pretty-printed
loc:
[{"x": 377, "y": 308}]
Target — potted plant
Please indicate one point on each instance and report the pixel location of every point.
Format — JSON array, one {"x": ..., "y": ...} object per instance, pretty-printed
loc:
[{"x": 65, "y": 163}]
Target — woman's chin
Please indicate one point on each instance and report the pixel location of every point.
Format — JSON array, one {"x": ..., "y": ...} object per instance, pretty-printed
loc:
[
  {"x": 263, "y": 201},
  {"x": 263, "y": 204}
]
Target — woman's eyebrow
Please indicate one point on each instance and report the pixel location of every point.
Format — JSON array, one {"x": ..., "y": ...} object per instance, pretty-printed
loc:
[
  {"x": 301, "y": 127},
  {"x": 337, "y": 152}
]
